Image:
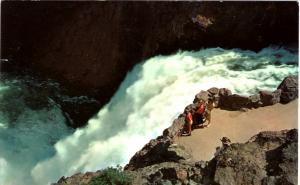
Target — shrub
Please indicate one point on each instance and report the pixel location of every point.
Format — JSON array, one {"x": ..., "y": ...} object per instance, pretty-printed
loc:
[{"x": 112, "y": 176}]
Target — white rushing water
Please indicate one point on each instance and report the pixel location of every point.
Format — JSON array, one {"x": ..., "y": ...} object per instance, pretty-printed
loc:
[
  {"x": 30, "y": 124},
  {"x": 153, "y": 94}
]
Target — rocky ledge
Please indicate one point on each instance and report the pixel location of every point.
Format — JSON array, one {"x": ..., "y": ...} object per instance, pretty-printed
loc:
[
  {"x": 267, "y": 158},
  {"x": 224, "y": 99}
]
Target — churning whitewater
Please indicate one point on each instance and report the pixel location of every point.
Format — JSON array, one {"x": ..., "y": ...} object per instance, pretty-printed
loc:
[
  {"x": 30, "y": 124},
  {"x": 152, "y": 95}
]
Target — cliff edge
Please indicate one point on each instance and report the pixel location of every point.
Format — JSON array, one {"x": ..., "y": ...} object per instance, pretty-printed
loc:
[{"x": 269, "y": 157}]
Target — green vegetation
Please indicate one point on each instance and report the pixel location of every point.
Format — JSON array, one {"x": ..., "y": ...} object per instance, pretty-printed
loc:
[{"x": 112, "y": 176}]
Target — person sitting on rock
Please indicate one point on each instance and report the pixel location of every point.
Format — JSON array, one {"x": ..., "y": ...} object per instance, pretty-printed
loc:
[
  {"x": 209, "y": 107},
  {"x": 199, "y": 117},
  {"x": 189, "y": 123},
  {"x": 203, "y": 114}
]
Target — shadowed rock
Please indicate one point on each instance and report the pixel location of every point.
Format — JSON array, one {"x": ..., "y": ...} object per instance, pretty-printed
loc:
[
  {"x": 177, "y": 125},
  {"x": 224, "y": 92},
  {"x": 255, "y": 101},
  {"x": 270, "y": 98},
  {"x": 90, "y": 46},
  {"x": 234, "y": 102},
  {"x": 289, "y": 89},
  {"x": 157, "y": 151},
  {"x": 268, "y": 158}
]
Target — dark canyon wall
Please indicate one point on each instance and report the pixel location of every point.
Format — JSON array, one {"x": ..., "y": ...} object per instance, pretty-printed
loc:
[{"x": 90, "y": 46}]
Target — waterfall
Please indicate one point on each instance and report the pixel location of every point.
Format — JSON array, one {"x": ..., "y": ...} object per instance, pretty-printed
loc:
[{"x": 151, "y": 96}]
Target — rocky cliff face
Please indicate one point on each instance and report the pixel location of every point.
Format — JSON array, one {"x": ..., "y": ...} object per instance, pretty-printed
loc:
[
  {"x": 224, "y": 99},
  {"x": 268, "y": 158},
  {"x": 90, "y": 46}
]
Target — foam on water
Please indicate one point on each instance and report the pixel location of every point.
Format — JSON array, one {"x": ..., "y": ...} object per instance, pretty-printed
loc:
[
  {"x": 153, "y": 94},
  {"x": 28, "y": 130}
]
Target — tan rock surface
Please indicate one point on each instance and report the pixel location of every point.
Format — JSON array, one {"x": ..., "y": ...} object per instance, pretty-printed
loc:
[{"x": 239, "y": 127}]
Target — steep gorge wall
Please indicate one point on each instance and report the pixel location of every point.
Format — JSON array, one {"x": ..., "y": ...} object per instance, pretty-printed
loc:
[{"x": 90, "y": 46}]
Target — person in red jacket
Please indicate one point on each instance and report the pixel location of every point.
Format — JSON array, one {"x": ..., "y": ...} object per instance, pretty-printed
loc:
[
  {"x": 199, "y": 116},
  {"x": 189, "y": 121},
  {"x": 203, "y": 113}
]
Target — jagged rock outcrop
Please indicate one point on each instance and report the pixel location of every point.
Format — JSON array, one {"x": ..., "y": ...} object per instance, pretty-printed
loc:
[
  {"x": 286, "y": 92},
  {"x": 158, "y": 151},
  {"x": 177, "y": 124},
  {"x": 270, "y": 98},
  {"x": 265, "y": 159},
  {"x": 234, "y": 102},
  {"x": 225, "y": 100},
  {"x": 90, "y": 46},
  {"x": 268, "y": 158},
  {"x": 165, "y": 173},
  {"x": 77, "y": 179}
]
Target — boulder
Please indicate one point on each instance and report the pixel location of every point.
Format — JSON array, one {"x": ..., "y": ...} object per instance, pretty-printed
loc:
[
  {"x": 240, "y": 164},
  {"x": 234, "y": 102},
  {"x": 289, "y": 89},
  {"x": 216, "y": 99},
  {"x": 151, "y": 153},
  {"x": 224, "y": 92},
  {"x": 270, "y": 98},
  {"x": 157, "y": 151},
  {"x": 214, "y": 94},
  {"x": 273, "y": 139},
  {"x": 202, "y": 95},
  {"x": 176, "y": 152},
  {"x": 267, "y": 158},
  {"x": 213, "y": 91},
  {"x": 166, "y": 173},
  {"x": 191, "y": 107},
  {"x": 175, "y": 128},
  {"x": 255, "y": 101},
  {"x": 280, "y": 148}
]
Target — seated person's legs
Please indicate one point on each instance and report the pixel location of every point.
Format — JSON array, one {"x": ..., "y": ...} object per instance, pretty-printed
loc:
[
  {"x": 208, "y": 118},
  {"x": 198, "y": 121}
]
